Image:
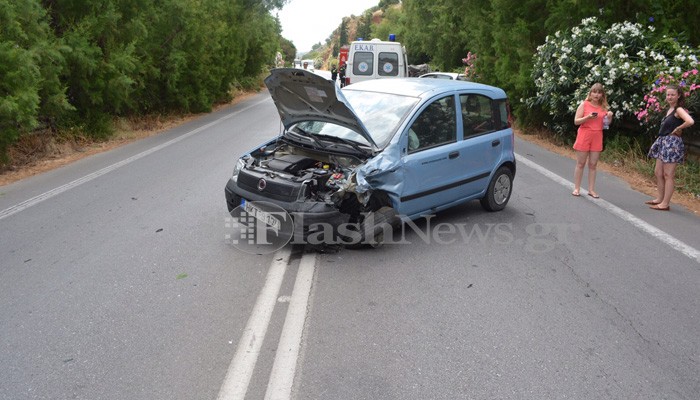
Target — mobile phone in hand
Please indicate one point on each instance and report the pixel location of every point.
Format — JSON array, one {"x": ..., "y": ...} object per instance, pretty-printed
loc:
[{"x": 594, "y": 114}]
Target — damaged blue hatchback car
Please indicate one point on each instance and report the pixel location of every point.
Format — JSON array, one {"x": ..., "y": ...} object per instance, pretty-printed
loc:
[{"x": 382, "y": 150}]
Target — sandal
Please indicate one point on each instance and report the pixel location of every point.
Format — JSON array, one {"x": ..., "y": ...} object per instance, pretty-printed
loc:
[
  {"x": 594, "y": 195},
  {"x": 576, "y": 193},
  {"x": 652, "y": 202},
  {"x": 656, "y": 207}
]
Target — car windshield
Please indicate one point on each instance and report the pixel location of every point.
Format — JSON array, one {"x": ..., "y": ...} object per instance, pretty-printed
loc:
[{"x": 381, "y": 113}]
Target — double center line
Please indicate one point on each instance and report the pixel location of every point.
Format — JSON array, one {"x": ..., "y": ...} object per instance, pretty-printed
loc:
[{"x": 241, "y": 368}]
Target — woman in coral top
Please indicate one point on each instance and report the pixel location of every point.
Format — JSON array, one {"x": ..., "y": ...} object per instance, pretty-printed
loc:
[{"x": 589, "y": 140}]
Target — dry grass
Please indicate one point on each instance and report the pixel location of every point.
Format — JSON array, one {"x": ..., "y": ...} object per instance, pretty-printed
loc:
[{"x": 35, "y": 154}]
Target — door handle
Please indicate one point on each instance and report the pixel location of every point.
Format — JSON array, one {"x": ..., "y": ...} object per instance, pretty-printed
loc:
[
  {"x": 495, "y": 143},
  {"x": 453, "y": 155}
]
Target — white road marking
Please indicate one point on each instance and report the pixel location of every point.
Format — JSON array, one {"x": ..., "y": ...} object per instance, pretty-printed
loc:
[
  {"x": 282, "y": 377},
  {"x": 241, "y": 368},
  {"x": 87, "y": 178},
  {"x": 685, "y": 249}
]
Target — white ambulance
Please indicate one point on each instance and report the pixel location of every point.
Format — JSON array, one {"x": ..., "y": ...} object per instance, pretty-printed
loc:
[{"x": 376, "y": 59}]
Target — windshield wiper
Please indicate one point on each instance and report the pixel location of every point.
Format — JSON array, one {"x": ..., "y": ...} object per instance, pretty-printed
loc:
[
  {"x": 307, "y": 135},
  {"x": 349, "y": 142},
  {"x": 318, "y": 139}
]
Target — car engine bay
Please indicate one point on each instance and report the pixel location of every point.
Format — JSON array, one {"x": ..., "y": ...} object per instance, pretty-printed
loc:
[{"x": 305, "y": 174}]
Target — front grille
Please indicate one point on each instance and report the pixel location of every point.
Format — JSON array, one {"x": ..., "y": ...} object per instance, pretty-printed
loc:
[{"x": 277, "y": 188}]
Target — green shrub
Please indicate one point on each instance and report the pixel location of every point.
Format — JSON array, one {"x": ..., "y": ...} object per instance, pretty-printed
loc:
[{"x": 626, "y": 58}]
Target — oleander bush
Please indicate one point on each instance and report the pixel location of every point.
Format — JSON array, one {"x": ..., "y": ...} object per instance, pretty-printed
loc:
[
  {"x": 653, "y": 110},
  {"x": 627, "y": 58}
]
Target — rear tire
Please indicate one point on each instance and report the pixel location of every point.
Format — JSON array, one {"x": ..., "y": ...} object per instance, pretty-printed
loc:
[{"x": 499, "y": 190}]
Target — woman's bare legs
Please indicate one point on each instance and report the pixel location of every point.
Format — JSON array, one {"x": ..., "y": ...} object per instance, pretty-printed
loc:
[
  {"x": 660, "y": 181},
  {"x": 669, "y": 173},
  {"x": 581, "y": 158},
  {"x": 592, "y": 168}
]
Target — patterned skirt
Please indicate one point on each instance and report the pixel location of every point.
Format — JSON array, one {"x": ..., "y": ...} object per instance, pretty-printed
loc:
[{"x": 669, "y": 149}]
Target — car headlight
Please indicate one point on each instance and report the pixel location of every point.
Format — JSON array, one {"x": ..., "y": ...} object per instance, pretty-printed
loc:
[{"x": 237, "y": 169}]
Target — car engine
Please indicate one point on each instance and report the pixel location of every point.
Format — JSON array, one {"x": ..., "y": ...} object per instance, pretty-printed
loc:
[{"x": 289, "y": 173}]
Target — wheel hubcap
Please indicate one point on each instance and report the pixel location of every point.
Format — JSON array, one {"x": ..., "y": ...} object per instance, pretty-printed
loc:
[{"x": 501, "y": 189}]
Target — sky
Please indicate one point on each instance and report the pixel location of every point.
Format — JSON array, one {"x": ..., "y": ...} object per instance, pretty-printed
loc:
[{"x": 307, "y": 22}]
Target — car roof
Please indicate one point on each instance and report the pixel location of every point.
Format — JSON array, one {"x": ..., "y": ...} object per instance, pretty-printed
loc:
[
  {"x": 417, "y": 87},
  {"x": 452, "y": 74}
]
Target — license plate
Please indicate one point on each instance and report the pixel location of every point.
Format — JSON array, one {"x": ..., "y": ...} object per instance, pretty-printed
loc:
[{"x": 262, "y": 216}]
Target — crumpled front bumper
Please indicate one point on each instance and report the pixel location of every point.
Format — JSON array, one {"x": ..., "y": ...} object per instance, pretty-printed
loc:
[{"x": 308, "y": 216}]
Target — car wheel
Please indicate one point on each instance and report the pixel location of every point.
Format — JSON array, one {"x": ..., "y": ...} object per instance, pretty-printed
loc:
[
  {"x": 499, "y": 190},
  {"x": 373, "y": 228}
]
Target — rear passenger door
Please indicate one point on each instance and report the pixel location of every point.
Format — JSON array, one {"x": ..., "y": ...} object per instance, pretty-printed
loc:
[{"x": 482, "y": 139}]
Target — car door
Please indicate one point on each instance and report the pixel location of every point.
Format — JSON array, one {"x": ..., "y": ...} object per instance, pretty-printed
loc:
[
  {"x": 482, "y": 143},
  {"x": 430, "y": 159}
]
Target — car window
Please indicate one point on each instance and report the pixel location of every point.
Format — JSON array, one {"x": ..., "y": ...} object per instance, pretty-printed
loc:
[
  {"x": 503, "y": 122},
  {"x": 436, "y": 125},
  {"x": 363, "y": 63},
  {"x": 388, "y": 64},
  {"x": 477, "y": 114},
  {"x": 443, "y": 77}
]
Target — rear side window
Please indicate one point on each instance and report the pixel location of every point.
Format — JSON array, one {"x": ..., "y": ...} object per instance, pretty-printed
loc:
[
  {"x": 363, "y": 63},
  {"x": 478, "y": 114},
  {"x": 388, "y": 64},
  {"x": 504, "y": 113}
]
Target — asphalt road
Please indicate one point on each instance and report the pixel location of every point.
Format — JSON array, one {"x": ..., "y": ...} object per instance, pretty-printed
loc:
[{"x": 117, "y": 281}]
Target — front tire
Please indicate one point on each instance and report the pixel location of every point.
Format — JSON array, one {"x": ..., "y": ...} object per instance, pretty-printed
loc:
[
  {"x": 499, "y": 190},
  {"x": 373, "y": 228}
]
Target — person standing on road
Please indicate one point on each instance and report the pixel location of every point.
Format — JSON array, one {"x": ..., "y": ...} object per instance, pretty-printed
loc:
[
  {"x": 334, "y": 73},
  {"x": 668, "y": 148},
  {"x": 341, "y": 74},
  {"x": 590, "y": 116}
]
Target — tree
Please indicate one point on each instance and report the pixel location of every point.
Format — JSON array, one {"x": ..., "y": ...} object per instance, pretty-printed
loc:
[
  {"x": 364, "y": 26},
  {"x": 289, "y": 51},
  {"x": 384, "y": 4},
  {"x": 392, "y": 22},
  {"x": 31, "y": 62},
  {"x": 343, "y": 32}
]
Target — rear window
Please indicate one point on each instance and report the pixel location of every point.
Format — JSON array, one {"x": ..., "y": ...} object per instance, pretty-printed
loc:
[
  {"x": 363, "y": 63},
  {"x": 388, "y": 64}
]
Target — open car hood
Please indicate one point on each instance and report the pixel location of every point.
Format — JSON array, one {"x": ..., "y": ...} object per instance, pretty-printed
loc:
[{"x": 301, "y": 96}]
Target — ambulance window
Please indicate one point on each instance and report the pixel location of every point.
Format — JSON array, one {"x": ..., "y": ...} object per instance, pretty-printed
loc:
[
  {"x": 388, "y": 64},
  {"x": 363, "y": 63}
]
